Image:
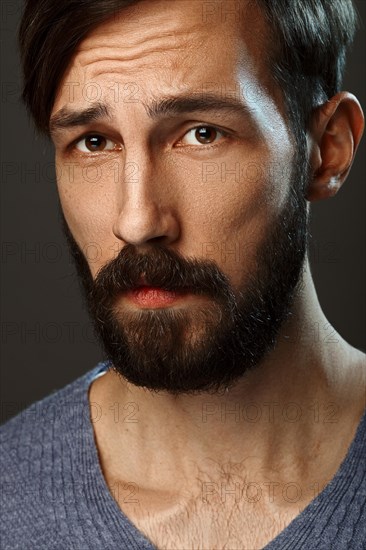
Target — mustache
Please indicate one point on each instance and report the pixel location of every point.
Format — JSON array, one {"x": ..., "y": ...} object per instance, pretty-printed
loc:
[{"x": 160, "y": 267}]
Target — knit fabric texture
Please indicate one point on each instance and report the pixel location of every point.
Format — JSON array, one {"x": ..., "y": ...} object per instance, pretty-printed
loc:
[{"x": 54, "y": 495}]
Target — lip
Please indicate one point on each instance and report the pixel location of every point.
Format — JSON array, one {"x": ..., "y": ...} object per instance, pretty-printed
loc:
[{"x": 146, "y": 296}]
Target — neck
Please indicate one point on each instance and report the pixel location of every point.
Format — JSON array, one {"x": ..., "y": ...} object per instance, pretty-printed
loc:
[{"x": 280, "y": 417}]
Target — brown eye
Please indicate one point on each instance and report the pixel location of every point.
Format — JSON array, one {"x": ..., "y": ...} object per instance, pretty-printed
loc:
[
  {"x": 203, "y": 135},
  {"x": 95, "y": 143}
]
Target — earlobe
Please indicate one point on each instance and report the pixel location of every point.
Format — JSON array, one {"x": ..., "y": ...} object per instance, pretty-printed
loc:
[{"x": 335, "y": 133}]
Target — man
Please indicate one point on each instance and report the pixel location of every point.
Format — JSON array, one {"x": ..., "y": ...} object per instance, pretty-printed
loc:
[{"x": 189, "y": 146}]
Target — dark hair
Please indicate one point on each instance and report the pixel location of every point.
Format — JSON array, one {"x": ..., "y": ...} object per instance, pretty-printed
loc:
[{"x": 310, "y": 36}]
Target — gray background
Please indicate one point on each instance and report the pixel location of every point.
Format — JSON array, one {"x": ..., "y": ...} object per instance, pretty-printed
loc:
[{"x": 46, "y": 336}]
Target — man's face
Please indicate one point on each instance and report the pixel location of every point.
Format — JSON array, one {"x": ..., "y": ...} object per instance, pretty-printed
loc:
[{"x": 144, "y": 193}]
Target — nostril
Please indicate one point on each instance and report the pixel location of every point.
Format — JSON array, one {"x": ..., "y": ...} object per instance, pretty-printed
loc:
[{"x": 158, "y": 240}]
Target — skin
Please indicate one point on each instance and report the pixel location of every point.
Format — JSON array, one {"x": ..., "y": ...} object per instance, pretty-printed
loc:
[{"x": 180, "y": 443}]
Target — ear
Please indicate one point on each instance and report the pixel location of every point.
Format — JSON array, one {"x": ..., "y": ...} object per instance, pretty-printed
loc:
[{"x": 335, "y": 132}]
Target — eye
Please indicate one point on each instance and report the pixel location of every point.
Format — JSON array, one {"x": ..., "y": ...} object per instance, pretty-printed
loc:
[
  {"x": 95, "y": 143},
  {"x": 205, "y": 135}
]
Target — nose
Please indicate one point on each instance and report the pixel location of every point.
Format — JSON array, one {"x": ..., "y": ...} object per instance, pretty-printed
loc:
[{"x": 145, "y": 212}]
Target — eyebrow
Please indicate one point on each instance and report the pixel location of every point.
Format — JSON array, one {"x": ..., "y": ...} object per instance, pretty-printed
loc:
[
  {"x": 165, "y": 107},
  {"x": 193, "y": 103},
  {"x": 68, "y": 118}
]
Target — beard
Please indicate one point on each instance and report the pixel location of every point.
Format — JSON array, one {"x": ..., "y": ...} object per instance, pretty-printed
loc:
[{"x": 194, "y": 349}]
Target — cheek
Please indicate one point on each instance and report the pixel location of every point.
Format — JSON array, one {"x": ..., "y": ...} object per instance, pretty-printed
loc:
[
  {"x": 237, "y": 209},
  {"x": 88, "y": 208},
  {"x": 233, "y": 188}
]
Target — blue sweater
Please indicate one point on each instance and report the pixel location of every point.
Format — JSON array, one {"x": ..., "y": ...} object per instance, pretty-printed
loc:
[{"x": 54, "y": 495}]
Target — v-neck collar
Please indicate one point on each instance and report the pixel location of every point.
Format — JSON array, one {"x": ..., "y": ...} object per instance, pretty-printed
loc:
[{"x": 316, "y": 515}]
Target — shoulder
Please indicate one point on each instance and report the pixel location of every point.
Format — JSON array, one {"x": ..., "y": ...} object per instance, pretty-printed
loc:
[
  {"x": 33, "y": 425},
  {"x": 35, "y": 459}
]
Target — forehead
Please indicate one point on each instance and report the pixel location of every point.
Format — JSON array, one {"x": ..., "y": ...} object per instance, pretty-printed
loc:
[{"x": 171, "y": 46}]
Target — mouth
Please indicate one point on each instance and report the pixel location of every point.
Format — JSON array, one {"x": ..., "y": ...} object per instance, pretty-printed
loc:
[{"x": 145, "y": 296}]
